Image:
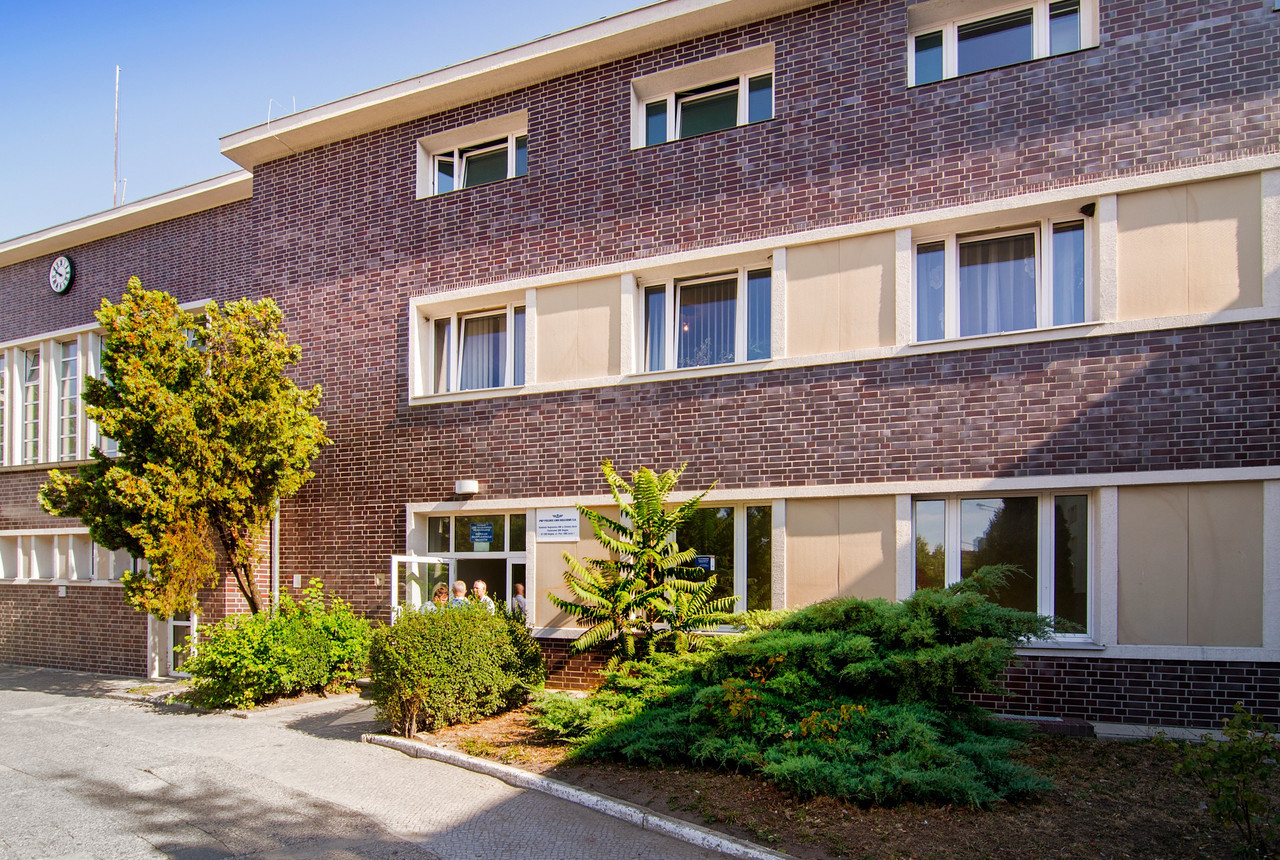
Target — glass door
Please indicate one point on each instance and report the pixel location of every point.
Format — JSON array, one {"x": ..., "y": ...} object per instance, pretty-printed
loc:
[{"x": 180, "y": 634}]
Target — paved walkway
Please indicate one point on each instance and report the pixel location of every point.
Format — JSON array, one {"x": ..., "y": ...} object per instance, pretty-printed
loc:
[{"x": 88, "y": 777}]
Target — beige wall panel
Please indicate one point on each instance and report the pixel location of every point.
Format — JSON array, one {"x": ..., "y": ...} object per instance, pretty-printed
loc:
[
  {"x": 557, "y": 333},
  {"x": 1152, "y": 253},
  {"x": 813, "y": 551},
  {"x": 1224, "y": 244},
  {"x": 868, "y": 549},
  {"x": 578, "y": 336},
  {"x": 1153, "y": 565},
  {"x": 1224, "y": 561},
  {"x": 551, "y": 567},
  {"x": 813, "y": 299},
  {"x": 867, "y": 291}
]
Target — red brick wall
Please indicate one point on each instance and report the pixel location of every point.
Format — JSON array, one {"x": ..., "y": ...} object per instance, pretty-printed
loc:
[
  {"x": 569, "y": 671},
  {"x": 89, "y": 630},
  {"x": 1187, "y": 693}
]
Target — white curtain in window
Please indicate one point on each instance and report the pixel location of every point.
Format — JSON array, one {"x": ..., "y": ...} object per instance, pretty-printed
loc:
[
  {"x": 998, "y": 285},
  {"x": 484, "y": 352},
  {"x": 707, "y": 323}
]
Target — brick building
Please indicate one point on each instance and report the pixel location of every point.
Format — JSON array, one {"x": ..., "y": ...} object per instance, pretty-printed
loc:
[{"x": 920, "y": 285}]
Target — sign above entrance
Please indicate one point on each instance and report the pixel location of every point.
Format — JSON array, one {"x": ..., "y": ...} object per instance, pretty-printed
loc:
[
  {"x": 557, "y": 525},
  {"x": 482, "y": 533}
]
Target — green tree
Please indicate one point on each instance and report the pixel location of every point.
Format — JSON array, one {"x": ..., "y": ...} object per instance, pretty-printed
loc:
[
  {"x": 647, "y": 581},
  {"x": 210, "y": 433}
]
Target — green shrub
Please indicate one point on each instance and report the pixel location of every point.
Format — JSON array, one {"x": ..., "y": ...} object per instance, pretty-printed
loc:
[
  {"x": 856, "y": 699},
  {"x": 1235, "y": 773},
  {"x": 245, "y": 660},
  {"x": 436, "y": 668}
]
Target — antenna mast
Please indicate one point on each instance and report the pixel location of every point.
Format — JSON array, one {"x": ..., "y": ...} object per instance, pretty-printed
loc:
[{"x": 115, "y": 176}]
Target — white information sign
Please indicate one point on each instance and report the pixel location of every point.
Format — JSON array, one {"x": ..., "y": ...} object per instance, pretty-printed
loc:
[{"x": 557, "y": 525}]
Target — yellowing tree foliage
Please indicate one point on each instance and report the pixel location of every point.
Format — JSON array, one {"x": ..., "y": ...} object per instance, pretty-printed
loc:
[{"x": 210, "y": 434}]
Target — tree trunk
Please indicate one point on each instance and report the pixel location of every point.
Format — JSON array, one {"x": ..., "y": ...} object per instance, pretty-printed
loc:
[{"x": 243, "y": 573}]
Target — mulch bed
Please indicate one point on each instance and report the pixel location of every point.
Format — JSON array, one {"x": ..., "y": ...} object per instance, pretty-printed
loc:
[{"x": 1111, "y": 799}]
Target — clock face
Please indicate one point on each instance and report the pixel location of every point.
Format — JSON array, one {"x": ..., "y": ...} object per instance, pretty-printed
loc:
[{"x": 60, "y": 274}]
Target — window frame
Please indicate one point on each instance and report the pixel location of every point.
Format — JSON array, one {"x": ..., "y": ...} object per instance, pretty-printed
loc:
[
  {"x": 1042, "y": 232},
  {"x": 1045, "y": 537},
  {"x": 732, "y": 70},
  {"x": 672, "y": 288},
  {"x": 68, "y": 407},
  {"x": 740, "y": 547},
  {"x": 1040, "y": 36},
  {"x": 452, "y": 555},
  {"x": 676, "y": 100},
  {"x": 459, "y": 154},
  {"x": 453, "y": 350}
]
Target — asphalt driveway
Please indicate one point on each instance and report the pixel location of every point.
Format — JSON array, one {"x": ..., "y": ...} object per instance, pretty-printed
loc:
[{"x": 88, "y": 777}]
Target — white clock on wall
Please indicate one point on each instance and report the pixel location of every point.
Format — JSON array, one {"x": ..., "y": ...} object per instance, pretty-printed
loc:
[{"x": 60, "y": 274}]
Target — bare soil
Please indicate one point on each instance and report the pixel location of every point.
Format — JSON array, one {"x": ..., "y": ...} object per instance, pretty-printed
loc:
[{"x": 1111, "y": 800}]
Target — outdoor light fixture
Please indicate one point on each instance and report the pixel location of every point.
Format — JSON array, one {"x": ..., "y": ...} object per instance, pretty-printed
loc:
[{"x": 466, "y": 488}]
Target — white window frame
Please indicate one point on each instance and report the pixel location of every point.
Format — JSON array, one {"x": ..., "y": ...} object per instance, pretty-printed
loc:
[
  {"x": 736, "y": 69},
  {"x": 1039, "y": 27},
  {"x": 453, "y": 350},
  {"x": 65, "y": 404},
  {"x": 459, "y": 156},
  {"x": 740, "y": 547},
  {"x": 452, "y": 556},
  {"x": 1042, "y": 231},
  {"x": 671, "y": 306},
  {"x": 676, "y": 100},
  {"x": 1045, "y": 546},
  {"x": 499, "y": 131},
  {"x": 14, "y": 390}
]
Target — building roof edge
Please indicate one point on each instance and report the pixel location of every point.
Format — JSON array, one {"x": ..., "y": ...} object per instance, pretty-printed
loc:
[{"x": 629, "y": 33}]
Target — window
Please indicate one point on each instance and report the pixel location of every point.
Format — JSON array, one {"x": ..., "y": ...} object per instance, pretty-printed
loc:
[
  {"x": 695, "y": 322},
  {"x": 4, "y": 405},
  {"x": 31, "y": 405},
  {"x": 726, "y": 536},
  {"x": 474, "y": 351},
  {"x": 1015, "y": 34},
  {"x": 490, "y": 547},
  {"x": 477, "y": 154},
  {"x": 706, "y": 96},
  {"x": 1014, "y": 280},
  {"x": 106, "y": 445},
  {"x": 481, "y": 163},
  {"x": 708, "y": 108},
  {"x": 1045, "y": 535},
  {"x": 68, "y": 400}
]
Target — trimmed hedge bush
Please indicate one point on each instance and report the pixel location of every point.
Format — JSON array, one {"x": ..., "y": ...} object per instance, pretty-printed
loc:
[
  {"x": 855, "y": 699},
  {"x": 245, "y": 660},
  {"x": 438, "y": 667}
]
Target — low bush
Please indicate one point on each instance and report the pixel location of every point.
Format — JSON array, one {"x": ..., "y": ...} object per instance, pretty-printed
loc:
[
  {"x": 245, "y": 660},
  {"x": 862, "y": 700},
  {"x": 439, "y": 667},
  {"x": 1237, "y": 775}
]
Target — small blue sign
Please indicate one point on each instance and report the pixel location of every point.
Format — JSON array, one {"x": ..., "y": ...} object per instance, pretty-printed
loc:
[
  {"x": 482, "y": 532},
  {"x": 706, "y": 562}
]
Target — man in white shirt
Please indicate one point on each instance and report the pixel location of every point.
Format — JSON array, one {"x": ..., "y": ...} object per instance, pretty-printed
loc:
[{"x": 480, "y": 594}]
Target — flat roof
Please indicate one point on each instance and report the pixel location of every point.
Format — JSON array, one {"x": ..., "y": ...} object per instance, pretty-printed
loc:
[
  {"x": 663, "y": 23},
  {"x": 186, "y": 200}
]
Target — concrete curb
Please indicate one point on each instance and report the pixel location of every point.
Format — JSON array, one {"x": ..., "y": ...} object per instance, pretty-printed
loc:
[{"x": 644, "y": 818}]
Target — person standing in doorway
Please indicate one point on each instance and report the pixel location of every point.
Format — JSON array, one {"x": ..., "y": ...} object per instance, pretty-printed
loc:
[
  {"x": 517, "y": 601},
  {"x": 480, "y": 594},
  {"x": 459, "y": 594}
]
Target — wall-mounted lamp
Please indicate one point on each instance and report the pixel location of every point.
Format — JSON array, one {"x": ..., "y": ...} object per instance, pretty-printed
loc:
[{"x": 466, "y": 488}]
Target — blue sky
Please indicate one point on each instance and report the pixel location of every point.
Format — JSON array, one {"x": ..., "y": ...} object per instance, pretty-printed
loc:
[{"x": 192, "y": 72}]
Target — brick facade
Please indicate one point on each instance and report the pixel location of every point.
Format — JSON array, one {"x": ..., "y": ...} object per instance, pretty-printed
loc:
[
  {"x": 336, "y": 235},
  {"x": 1180, "y": 693},
  {"x": 89, "y": 630}
]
